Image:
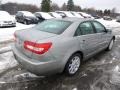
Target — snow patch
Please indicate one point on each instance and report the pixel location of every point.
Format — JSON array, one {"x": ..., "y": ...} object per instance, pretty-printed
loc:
[
  {"x": 7, "y": 61},
  {"x": 109, "y": 24}
]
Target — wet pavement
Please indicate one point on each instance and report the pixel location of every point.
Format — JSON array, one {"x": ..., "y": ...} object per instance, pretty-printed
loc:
[{"x": 102, "y": 72}]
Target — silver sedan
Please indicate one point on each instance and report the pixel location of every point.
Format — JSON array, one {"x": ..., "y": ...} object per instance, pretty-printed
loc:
[{"x": 60, "y": 45}]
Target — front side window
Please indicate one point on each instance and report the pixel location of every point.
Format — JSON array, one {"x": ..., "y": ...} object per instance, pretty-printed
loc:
[
  {"x": 86, "y": 28},
  {"x": 53, "y": 26},
  {"x": 99, "y": 27}
]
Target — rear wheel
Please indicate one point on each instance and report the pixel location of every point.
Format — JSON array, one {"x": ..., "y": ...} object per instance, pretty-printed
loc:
[{"x": 73, "y": 64}]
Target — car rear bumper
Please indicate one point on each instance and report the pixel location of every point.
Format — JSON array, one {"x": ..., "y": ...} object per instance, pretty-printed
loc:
[
  {"x": 36, "y": 66},
  {"x": 7, "y": 24}
]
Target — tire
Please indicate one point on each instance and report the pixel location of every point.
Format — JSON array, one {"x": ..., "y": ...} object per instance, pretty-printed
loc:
[
  {"x": 26, "y": 22},
  {"x": 17, "y": 20},
  {"x": 73, "y": 64},
  {"x": 110, "y": 46}
]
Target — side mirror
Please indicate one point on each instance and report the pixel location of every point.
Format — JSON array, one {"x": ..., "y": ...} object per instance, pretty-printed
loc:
[
  {"x": 108, "y": 30},
  {"x": 23, "y": 16}
]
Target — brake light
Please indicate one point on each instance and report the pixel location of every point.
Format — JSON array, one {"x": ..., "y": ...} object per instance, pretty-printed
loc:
[{"x": 38, "y": 48}]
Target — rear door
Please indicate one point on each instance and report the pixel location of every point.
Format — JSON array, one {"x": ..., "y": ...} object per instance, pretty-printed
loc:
[
  {"x": 19, "y": 16},
  {"x": 87, "y": 38}
]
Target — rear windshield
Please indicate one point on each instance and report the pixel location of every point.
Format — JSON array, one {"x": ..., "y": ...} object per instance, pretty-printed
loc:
[{"x": 53, "y": 26}]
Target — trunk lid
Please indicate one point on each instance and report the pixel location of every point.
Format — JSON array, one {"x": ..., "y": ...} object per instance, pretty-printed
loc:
[{"x": 32, "y": 35}]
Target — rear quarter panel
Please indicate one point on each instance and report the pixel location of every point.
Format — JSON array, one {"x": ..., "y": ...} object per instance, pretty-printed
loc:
[{"x": 63, "y": 48}]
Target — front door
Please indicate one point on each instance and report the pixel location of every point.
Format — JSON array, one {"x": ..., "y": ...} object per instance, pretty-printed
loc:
[
  {"x": 104, "y": 36},
  {"x": 87, "y": 38}
]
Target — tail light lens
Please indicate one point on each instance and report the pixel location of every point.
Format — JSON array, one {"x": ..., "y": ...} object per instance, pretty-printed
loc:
[{"x": 38, "y": 48}]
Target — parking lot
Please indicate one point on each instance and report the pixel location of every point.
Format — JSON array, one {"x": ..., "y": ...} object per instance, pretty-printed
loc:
[
  {"x": 98, "y": 73},
  {"x": 46, "y": 37}
]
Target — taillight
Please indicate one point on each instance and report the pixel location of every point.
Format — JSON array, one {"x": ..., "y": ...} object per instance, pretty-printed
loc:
[{"x": 38, "y": 48}]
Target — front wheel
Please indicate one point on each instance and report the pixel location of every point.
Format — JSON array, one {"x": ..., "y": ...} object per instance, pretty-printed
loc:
[
  {"x": 25, "y": 22},
  {"x": 110, "y": 45},
  {"x": 73, "y": 64}
]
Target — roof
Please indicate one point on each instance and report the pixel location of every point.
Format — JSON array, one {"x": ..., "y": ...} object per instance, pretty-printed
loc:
[
  {"x": 40, "y": 12},
  {"x": 74, "y": 19},
  {"x": 23, "y": 11}
]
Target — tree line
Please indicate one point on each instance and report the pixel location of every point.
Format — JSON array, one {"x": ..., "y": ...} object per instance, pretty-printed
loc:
[
  {"x": 48, "y": 5},
  {"x": 12, "y": 8}
]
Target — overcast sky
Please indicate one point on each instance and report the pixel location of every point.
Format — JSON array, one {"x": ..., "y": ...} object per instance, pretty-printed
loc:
[{"x": 98, "y": 4}]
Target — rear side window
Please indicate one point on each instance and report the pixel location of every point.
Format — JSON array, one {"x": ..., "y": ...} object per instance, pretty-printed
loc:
[
  {"x": 99, "y": 27},
  {"x": 53, "y": 26},
  {"x": 19, "y": 14},
  {"x": 36, "y": 14},
  {"x": 86, "y": 28}
]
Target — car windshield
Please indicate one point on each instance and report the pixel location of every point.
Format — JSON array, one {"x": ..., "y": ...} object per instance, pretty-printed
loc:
[
  {"x": 53, "y": 26},
  {"x": 76, "y": 14},
  {"x": 45, "y": 15},
  {"x": 56, "y": 15},
  {"x": 68, "y": 14},
  {"x": 29, "y": 14},
  {"x": 85, "y": 14}
]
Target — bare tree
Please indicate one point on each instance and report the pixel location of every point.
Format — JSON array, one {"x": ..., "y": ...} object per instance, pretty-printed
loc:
[
  {"x": 55, "y": 7},
  {"x": 77, "y": 8},
  {"x": 12, "y": 8},
  {"x": 113, "y": 12},
  {"x": 64, "y": 7}
]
